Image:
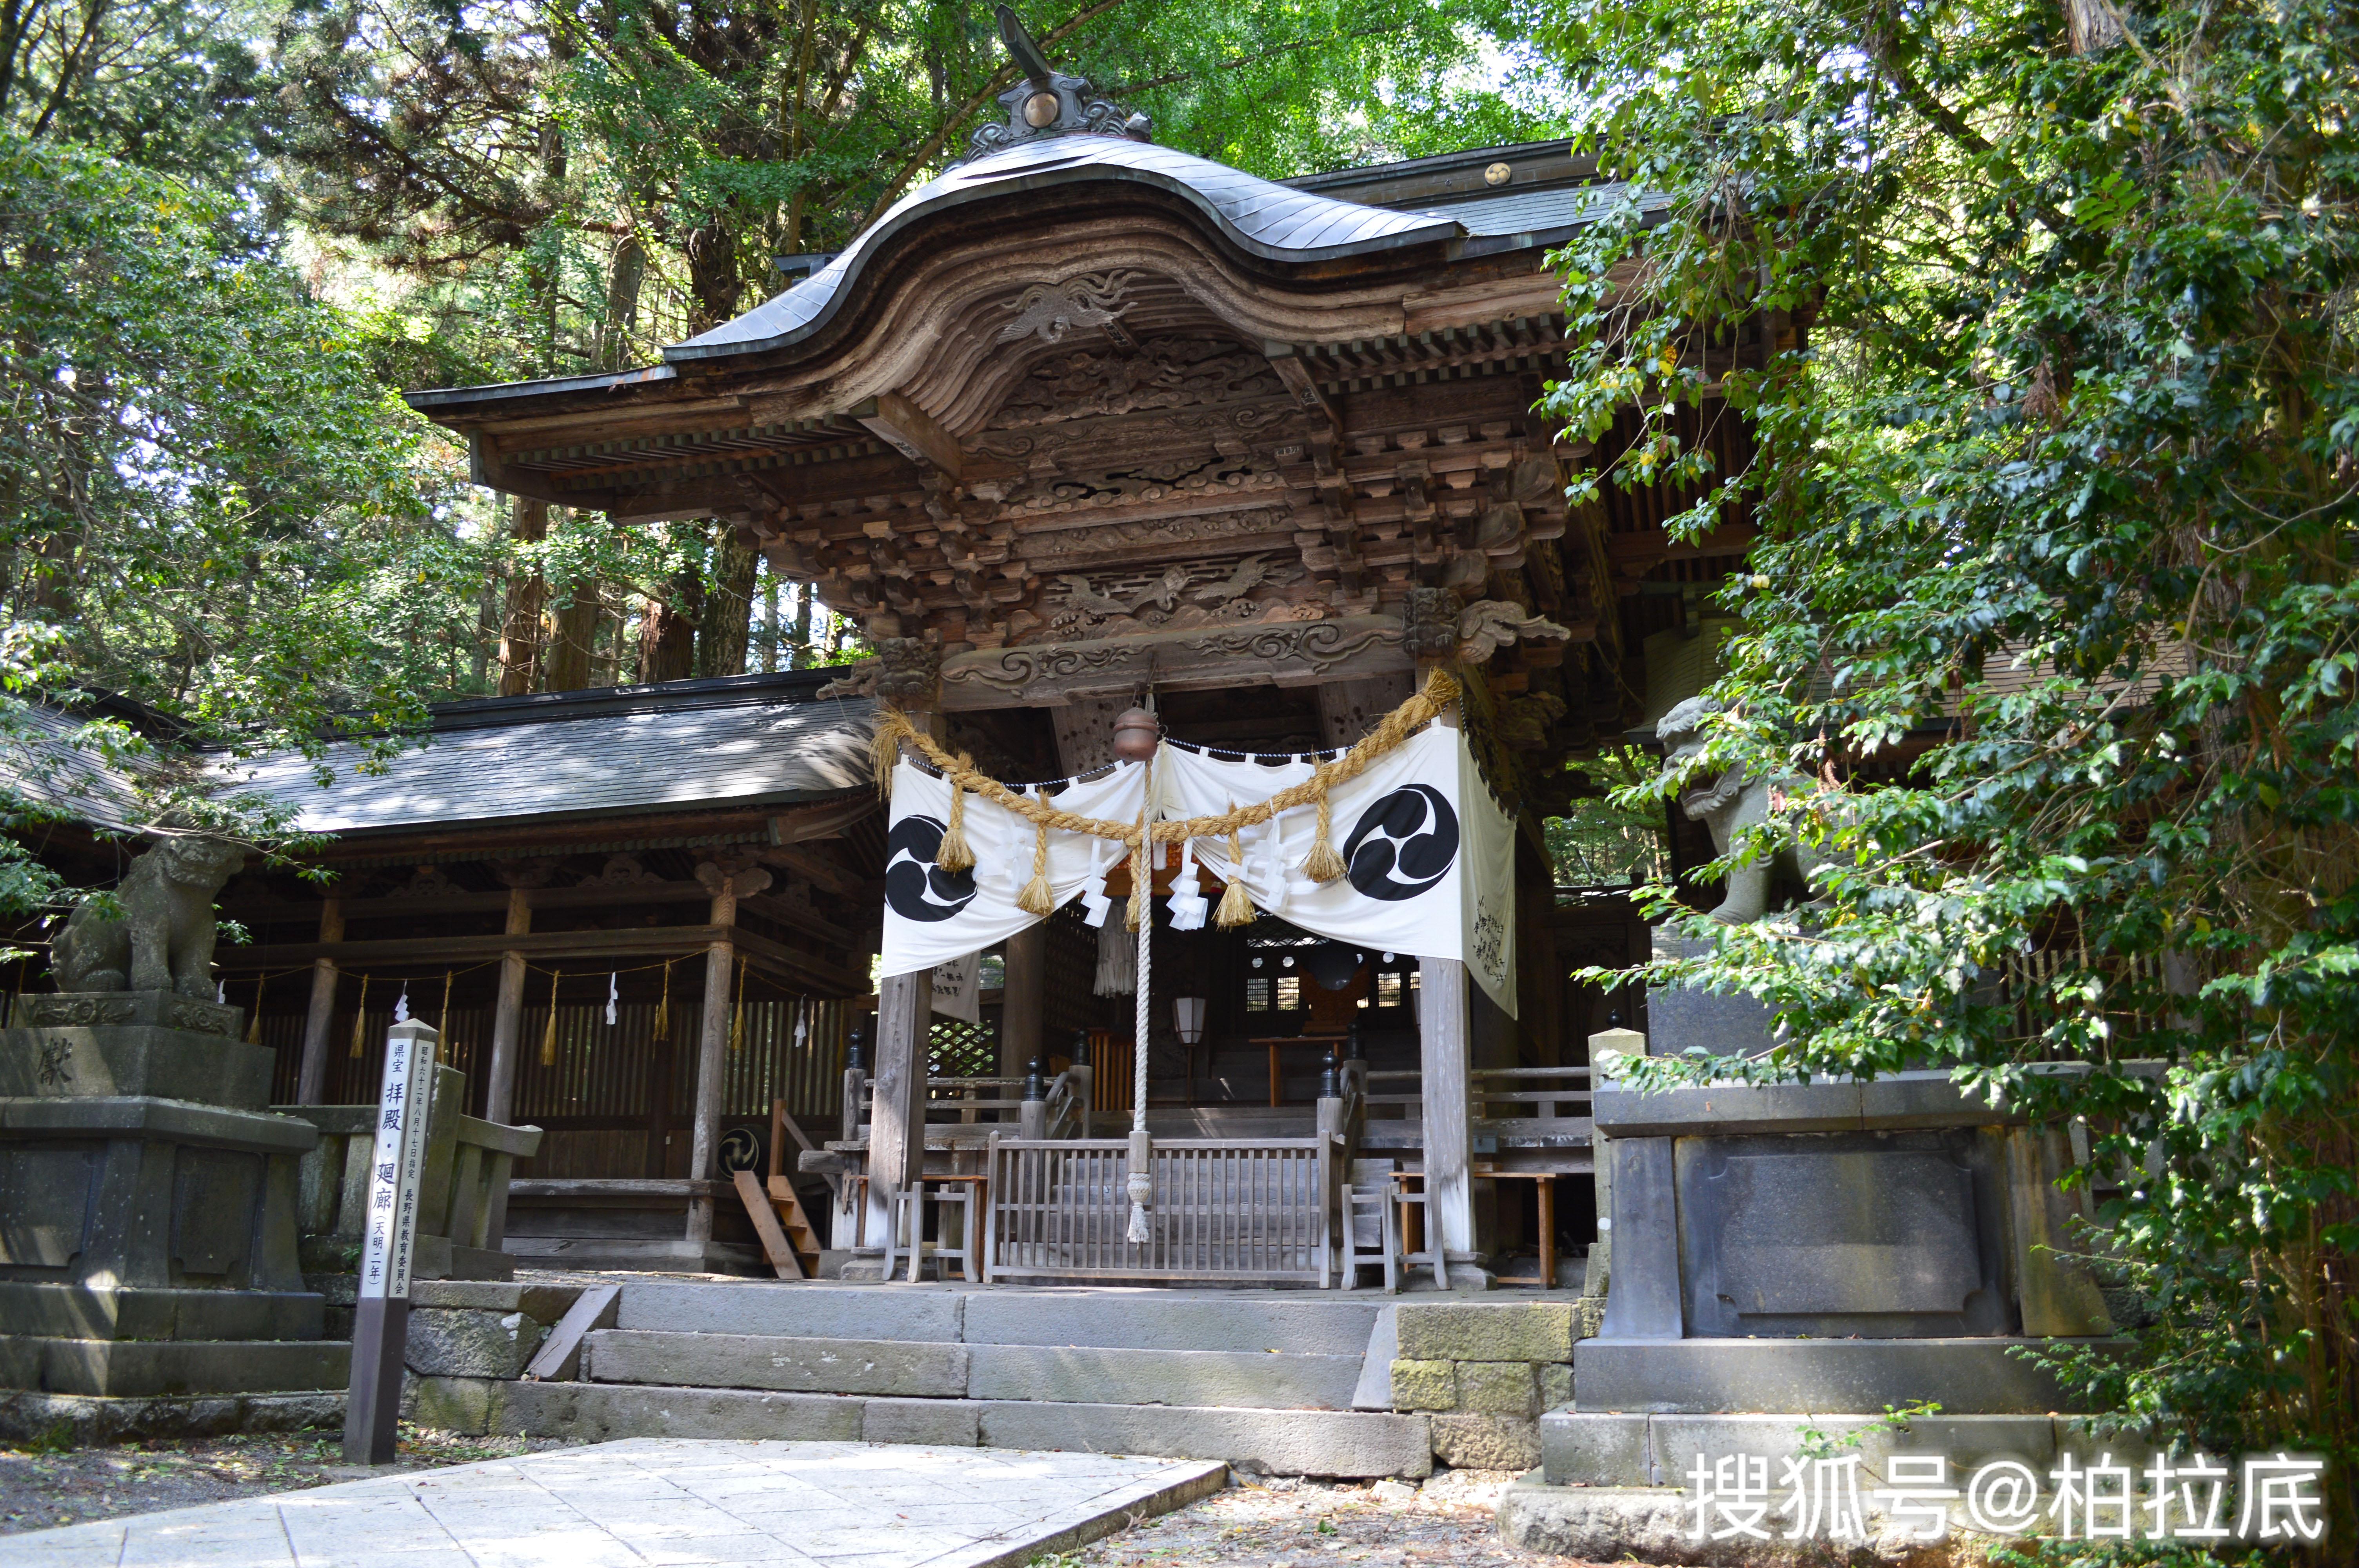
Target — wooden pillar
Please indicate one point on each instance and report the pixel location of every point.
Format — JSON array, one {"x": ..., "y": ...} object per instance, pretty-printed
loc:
[
  {"x": 311, "y": 1078},
  {"x": 1025, "y": 1000},
  {"x": 727, "y": 886},
  {"x": 897, "y": 1116},
  {"x": 508, "y": 1016},
  {"x": 1443, "y": 1064}
]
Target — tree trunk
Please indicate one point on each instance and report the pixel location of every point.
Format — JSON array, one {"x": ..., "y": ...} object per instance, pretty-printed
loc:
[
  {"x": 801, "y": 659},
  {"x": 2095, "y": 24},
  {"x": 568, "y": 664},
  {"x": 520, "y": 632},
  {"x": 667, "y": 632},
  {"x": 622, "y": 304},
  {"x": 728, "y": 608},
  {"x": 770, "y": 623}
]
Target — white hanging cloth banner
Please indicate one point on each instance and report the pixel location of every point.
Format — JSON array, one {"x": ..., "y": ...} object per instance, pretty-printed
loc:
[
  {"x": 1430, "y": 856},
  {"x": 958, "y": 989},
  {"x": 933, "y": 916}
]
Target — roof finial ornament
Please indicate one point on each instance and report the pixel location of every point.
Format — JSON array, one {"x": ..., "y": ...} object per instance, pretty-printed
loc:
[
  {"x": 1022, "y": 50},
  {"x": 1048, "y": 102}
]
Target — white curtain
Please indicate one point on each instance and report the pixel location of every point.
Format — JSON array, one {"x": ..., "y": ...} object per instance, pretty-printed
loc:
[
  {"x": 1430, "y": 856},
  {"x": 932, "y": 916}
]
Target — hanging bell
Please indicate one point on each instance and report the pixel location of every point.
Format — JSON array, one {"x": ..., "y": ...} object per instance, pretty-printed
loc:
[{"x": 1136, "y": 736}]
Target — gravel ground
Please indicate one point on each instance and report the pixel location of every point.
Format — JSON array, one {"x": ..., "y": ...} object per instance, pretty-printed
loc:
[
  {"x": 41, "y": 1487},
  {"x": 1280, "y": 1524}
]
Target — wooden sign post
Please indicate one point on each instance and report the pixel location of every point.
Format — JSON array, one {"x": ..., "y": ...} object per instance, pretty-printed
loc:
[{"x": 381, "y": 1324}]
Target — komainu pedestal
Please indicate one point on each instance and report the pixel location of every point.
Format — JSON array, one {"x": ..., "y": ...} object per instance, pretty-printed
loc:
[{"x": 148, "y": 1204}]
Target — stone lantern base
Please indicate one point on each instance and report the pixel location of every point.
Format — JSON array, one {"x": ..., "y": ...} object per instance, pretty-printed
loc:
[{"x": 147, "y": 1206}]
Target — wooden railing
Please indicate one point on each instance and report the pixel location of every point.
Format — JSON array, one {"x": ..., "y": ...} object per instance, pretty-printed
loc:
[
  {"x": 1522, "y": 1093},
  {"x": 1522, "y": 1108},
  {"x": 966, "y": 1101},
  {"x": 462, "y": 1210},
  {"x": 1228, "y": 1209}
]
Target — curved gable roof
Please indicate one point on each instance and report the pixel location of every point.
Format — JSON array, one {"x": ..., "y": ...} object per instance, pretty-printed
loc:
[{"x": 1261, "y": 217}]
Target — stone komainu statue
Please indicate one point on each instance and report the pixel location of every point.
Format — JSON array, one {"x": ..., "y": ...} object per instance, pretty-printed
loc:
[
  {"x": 1728, "y": 805},
  {"x": 163, "y": 940}
]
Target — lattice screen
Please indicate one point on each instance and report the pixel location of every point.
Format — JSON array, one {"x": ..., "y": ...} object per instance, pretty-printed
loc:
[{"x": 957, "y": 1049}]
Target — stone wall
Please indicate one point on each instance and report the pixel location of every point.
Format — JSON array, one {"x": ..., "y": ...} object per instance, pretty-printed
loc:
[
  {"x": 468, "y": 1335},
  {"x": 1485, "y": 1371}
]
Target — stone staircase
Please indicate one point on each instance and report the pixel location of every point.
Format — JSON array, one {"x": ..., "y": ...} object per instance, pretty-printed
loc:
[{"x": 1267, "y": 1381}]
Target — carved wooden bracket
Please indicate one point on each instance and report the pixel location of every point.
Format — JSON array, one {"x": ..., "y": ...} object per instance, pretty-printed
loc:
[{"x": 910, "y": 431}]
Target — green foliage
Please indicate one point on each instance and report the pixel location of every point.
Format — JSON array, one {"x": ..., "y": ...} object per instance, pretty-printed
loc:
[
  {"x": 1818, "y": 1444},
  {"x": 207, "y": 500},
  {"x": 1608, "y": 837},
  {"x": 2049, "y": 352}
]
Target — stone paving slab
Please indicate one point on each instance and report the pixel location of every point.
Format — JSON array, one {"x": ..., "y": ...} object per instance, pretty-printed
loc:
[{"x": 662, "y": 1501}]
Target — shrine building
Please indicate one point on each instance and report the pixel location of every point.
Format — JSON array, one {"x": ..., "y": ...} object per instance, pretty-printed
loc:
[
  {"x": 1087, "y": 423},
  {"x": 1164, "y": 901}
]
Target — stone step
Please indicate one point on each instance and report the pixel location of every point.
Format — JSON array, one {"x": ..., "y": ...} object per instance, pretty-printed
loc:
[
  {"x": 146, "y": 1367},
  {"x": 1107, "y": 1318},
  {"x": 930, "y": 1370},
  {"x": 1274, "y": 1441},
  {"x": 782, "y": 1364}
]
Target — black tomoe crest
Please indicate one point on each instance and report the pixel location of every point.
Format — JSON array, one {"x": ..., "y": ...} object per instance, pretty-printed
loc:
[
  {"x": 915, "y": 887},
  {"x": 1404, "y": 843}
]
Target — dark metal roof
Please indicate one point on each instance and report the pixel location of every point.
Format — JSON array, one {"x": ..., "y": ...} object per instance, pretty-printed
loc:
[
  {"x": 1260, "y": 216},
  {"x": 1542, "y": 209},
  {"x": 1424, "y": 181},
  {"x": 759, "y": 741},
  {"x": 1443, "y": 198},
  {"x": 40, "y": 765}
]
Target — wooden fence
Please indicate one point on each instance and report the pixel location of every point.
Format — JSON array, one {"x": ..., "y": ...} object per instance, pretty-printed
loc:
[{"x": 1246, "y": 1210}]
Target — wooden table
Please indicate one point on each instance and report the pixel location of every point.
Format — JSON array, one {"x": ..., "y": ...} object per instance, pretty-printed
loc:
[
  {"x": 1546, "y": 1181},
  {"x": 1279, "y": 1042}
]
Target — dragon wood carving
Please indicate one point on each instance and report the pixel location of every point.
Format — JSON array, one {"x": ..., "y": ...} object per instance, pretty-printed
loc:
[
  {"x": 1165, "y": 372},
  {"x": 1049, "y": 310}
]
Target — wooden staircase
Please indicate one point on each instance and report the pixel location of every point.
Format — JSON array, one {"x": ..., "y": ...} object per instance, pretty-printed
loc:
[{"x": 788, "y": 1240}]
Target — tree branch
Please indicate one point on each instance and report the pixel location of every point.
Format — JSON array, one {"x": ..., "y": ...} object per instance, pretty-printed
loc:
[{"x": 1240, "y": 61}]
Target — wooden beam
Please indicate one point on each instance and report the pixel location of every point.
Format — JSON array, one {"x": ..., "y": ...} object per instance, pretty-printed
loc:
[
  {"x": 507, "y": 1011},
  {"x": 312, "y": 1073},
  {"x": 1536, "y": 293},
  {"x": 807, "y": 922},
  {"x": 646, "y": 942},
  {"x": 614, "y": 835},
  {"x": 910, "y": 431},
  {"x": 1307, "y": 395},
  {"x": 817, "y": 868}
]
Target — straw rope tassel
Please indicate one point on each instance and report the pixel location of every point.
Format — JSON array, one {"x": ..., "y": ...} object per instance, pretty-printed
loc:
[
  {"x": 954, "y": 854},
  {"x": 442, "y": 1019},
  {"x": 1141, "y": 1184},
  {"x": 894, "y": 731},
  {"x": 548, "y": 1029},
  {"x": 1322, "y": 864},
  {"x": 1236, "y": 905},
  {"x": 1037, "y": 897},
  {"x": 254, "y": 1028},
  {"x": 360, "y": 1016},
  {"x": 737, "y": 1017},
  {"x": 663, "y": 1009}
]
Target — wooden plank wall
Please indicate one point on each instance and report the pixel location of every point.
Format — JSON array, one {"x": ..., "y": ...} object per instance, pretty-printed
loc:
[{"x": 595, "y": 1097}]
